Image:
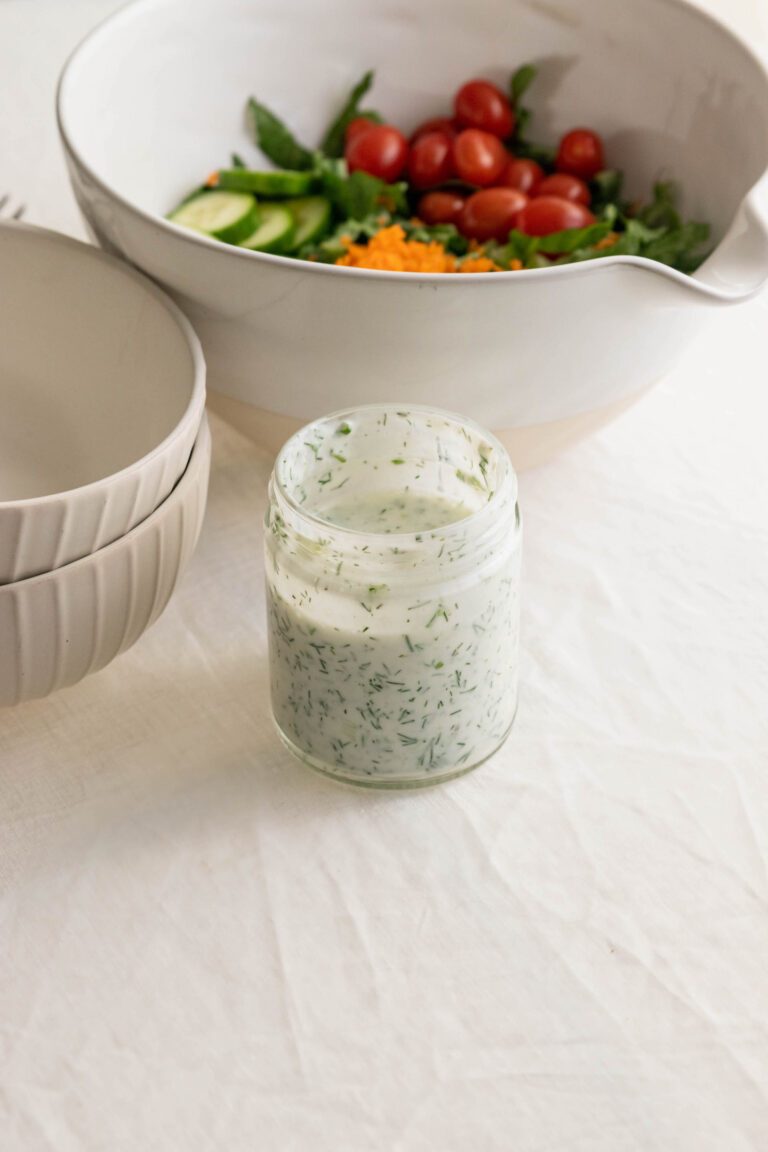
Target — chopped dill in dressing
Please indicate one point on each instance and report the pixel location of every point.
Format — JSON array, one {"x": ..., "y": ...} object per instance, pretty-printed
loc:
[
  {"x": 395, "y": 512},
  {"x": 393, "y": 644}
]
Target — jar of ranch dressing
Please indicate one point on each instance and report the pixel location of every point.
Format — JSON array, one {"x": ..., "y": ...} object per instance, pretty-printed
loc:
[{"x": 393, "y": 580}]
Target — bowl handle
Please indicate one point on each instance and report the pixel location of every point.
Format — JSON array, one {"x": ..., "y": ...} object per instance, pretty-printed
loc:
[{"x": 738, "y": 267}]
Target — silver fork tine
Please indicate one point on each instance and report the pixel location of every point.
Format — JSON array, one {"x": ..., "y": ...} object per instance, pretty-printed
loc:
[
  {"x": 3, "y": 201},
  {"x": 17, "y": 215}
]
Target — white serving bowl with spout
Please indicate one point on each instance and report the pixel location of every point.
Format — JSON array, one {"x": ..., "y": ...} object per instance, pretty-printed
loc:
[{"x": 154, "y": 99}]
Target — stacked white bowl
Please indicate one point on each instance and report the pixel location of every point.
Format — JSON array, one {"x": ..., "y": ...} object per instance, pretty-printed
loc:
[{"x": 104, "y": 457}]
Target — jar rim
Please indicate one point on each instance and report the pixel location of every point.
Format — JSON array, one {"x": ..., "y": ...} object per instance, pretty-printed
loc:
[{"x": 505, "y": 492}]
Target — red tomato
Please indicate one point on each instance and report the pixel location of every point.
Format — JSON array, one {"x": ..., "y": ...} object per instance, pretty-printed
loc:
[
  {"x": 491, "y": 213},
  {"x": 438, "y": 124},
  {"x": 429, "y": 161},
  {"x": 356, "y": 126},
  {"x": 441, "y": 207},
  {"x": 478, "y": 157},
  {"x": 580, "y": 153},
  {"x": 565, "y": 186},
  {"x": 523, "y": 174},
  {"x": 546, "y": 214},
  {"x": 479, "y": 104},
  {"x": 382, "y": 151}
]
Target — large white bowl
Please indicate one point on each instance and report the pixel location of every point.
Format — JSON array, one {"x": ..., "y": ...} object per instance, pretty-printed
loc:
[
  {"x": 102, "y": 388},
  {"x": 154, "y": 99},
  {"x": 58, "y": 627}
]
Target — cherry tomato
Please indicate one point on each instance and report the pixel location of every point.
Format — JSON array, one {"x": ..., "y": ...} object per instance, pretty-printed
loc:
[
  {"x": 523, "y": 174},
  {"x": 581, "y": 153},
  {"x": 441, "y": 207},
  {"x": 565, "y": 186},
  {"x": 356, "y": 126},
  {"x": 478, "y": 157},
  {"x": 491, "y": 213},
  {"x": 546, "y": 214},
  {"x": 438, "y": 124},
  {"x": 382, "y": 151},
  {"x": 479, "y": 104},
  {"x": 429, "y": 161}
]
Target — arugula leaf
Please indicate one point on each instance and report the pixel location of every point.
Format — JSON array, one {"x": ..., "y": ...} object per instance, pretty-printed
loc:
[
  {"x": 237, "y": 161},
  {"x": 661, "y": 212},
  {"x": 333, "y": 142},
  {"x": 361, "y": 194},
  {"x": 357, "y": 195},
  {"x": 562, "y": 243},
  {"x": 541, "y": 153},
  {"x": 446, "y": 234},
  {"x": 677, "y": 246},
  {"x": 531, "y": 251},
  {"x": 520, "y": 81},
  {"x": 521, "y": 247},
  {"x": 605, "y": 189},
  {"x": 276, "y": 141}
]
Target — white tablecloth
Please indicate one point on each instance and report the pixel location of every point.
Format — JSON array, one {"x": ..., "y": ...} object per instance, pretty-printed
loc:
[{"x": 205, "y": 946}]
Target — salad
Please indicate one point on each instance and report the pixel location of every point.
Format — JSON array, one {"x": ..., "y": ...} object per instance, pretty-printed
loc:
[{"x": 467, "y": 192}]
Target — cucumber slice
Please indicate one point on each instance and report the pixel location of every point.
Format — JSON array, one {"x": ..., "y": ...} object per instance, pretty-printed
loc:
[
  {"x": 274, "y": 233},
  {"x": 229, "y": 216},
  {"x": 312, "y": 215},
  {"x": 275, "y": 183}
]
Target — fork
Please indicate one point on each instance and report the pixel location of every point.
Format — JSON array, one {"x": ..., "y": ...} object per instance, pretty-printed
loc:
[{"x": 17, "y": 215}]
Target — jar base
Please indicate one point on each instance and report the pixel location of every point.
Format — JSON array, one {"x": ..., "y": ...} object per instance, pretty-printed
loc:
[{"x": 384, "y": 783}]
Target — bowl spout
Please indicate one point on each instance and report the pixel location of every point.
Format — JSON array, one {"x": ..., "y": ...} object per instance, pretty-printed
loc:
[{"x": 738, "y": 268}]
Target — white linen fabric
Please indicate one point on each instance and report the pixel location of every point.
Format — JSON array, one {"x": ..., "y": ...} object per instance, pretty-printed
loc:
[{"x": 205, "y": 946}]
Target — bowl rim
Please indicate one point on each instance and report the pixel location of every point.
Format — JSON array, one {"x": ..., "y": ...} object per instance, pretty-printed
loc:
[
  {"x": 195, "y": 406},
  {"x": 198, "y": 460},
  {"x": 564, "y": 271}
]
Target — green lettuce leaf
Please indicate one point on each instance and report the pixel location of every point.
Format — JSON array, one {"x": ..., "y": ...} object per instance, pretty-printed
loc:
[
  {"x": 333, "y": 142},
  {"x": 357, "y": 195},
  {"x": 662, "y": 211},
  {"x": 276, "y": 141},
  {"x": 519, "y": 83}
]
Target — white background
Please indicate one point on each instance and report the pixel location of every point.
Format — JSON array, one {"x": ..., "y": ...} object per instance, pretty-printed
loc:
[{"x": 204, "y": 946}]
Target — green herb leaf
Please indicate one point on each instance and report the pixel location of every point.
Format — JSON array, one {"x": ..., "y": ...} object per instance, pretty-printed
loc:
[
  {"x": 446, "y": 234},
  {"x": 332, "y": 247},
  {"x": 520, "y": 81},
  {"x": 518, "y": 247},
  {"x": 677, "y": 247},
  {"x": 237, "y": 161},
  {"x": 358, "y": 195},
  {"x": 541, "y": 153},
  {"x": 333, "y": 143},
  {"x": 522, "y": 147},
  {"x": 561, "y": 243},
  {"x": 605, "y": 188},
  {"x": 361, "y": 194},
  {"x": 276, "y": 141},
  {"x": 661, "y": 212}
]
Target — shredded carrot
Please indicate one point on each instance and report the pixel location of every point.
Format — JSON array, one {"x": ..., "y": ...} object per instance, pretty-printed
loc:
[
  {"x": 390, "y": 251},
  {"x": 212, "y": 180},
  {"x": 478, "y": 264},
  {"x": 608, "y": 241}
]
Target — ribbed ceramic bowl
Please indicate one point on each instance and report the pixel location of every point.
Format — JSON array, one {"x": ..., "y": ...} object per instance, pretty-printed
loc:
[
  {"x": 102, "y": 388},
  {"x": 58, "y": 627},
  {"x": 155, "y": 98}
]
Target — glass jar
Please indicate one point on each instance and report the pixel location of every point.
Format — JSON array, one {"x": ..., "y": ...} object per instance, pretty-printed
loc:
[{"x": 393, "y": 571}]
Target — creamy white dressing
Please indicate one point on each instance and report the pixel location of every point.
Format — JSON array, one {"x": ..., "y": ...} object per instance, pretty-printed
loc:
[
  {"x": 394, "y": 512},
  {"x": 393, "y": 641}
]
